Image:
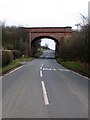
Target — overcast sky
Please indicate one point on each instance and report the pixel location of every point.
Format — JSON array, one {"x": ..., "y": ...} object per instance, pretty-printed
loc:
[
  {"x": 45, "y": 13},
  {"x": 36, "y": 13}
]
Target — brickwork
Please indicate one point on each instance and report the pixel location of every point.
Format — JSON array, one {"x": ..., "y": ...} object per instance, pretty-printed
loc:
[{"x": 55, "y": 33}]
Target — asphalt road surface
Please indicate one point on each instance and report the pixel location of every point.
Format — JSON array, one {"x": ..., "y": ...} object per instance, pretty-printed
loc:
[
  {"x": 44, "y": 89},
  {"x": 48, "y": 54}
]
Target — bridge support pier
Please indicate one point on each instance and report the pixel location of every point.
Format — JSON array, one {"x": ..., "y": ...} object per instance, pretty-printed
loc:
[
  {"x": 57, "y": 50},
  {"x": 30, "y": 50}
]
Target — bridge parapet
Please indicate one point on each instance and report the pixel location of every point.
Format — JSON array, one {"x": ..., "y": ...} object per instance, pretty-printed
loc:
[{"x": 49, "y": 29}]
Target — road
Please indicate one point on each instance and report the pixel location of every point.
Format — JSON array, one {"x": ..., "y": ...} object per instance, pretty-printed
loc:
[
  {"x": 44, "y": 89},
  {"x": 48, "y": 54}
]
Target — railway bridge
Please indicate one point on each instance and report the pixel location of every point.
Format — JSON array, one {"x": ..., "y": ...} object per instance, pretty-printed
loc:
[{"x": 55, "y": 33}]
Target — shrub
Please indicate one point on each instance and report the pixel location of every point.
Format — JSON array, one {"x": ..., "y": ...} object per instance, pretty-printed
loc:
[
  {"x": 0, "y": 57},
  {"x": 7, "y": 57},
  {"x": 16, "y": 54}
]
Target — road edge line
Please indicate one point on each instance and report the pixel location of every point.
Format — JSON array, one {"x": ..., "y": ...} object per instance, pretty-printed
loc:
[
  {"x": 12, "y": 71},
  {"x": 73, "y": 71}
]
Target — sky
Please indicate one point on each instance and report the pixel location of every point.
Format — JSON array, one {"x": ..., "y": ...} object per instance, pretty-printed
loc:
[
  {"x": 89, "y": 11},
  {"x": 43, "y": 13},
  {"x": 50, "y": 42}
]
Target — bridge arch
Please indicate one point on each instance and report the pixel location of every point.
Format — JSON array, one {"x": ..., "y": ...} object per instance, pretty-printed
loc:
[
  {"x": 55, "y": 33},
  {"x": 46, "y": 37}
]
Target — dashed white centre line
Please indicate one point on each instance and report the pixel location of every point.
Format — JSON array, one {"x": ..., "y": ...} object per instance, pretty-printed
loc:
[
  {"x": 41, "y": 73},
  {"x": 44, "y": 93},
  {"x": 40, "y": 68},
  {"x": 54, "y": 69},
  {"x": 42, "y": 65}
]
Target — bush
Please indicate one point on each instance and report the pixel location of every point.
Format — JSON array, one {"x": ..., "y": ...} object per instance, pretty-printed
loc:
[
  {"x": 16, "y": 54},
  {"x": 7, "y": 57},
  {"x": 0, "y": 57}
]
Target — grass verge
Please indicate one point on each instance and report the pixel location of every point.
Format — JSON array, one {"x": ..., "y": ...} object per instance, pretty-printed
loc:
[
  {"x": 76, "y": 66},
  {"x": 15, "y": 63}
]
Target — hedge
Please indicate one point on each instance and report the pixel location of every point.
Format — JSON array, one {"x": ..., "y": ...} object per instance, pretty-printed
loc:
[
  {"x": 0, "y": 57},
  {"x": 7, "y": 57},
  {"x": 16, "y": 54}
]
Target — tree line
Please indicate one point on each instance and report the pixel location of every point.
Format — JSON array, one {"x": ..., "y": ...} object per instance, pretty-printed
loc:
[
  {"x": 73, "y": 48},
  {"x": 77, "y": 46},
  {"x": 14, "y": 38}
]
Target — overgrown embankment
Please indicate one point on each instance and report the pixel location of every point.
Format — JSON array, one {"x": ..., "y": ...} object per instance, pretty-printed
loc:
[
  {"x": 75, "y": 50},
  {"x": 15, "y": 48},
  {"x": 78, "y": 67},
  {"x": 14, "y": 64}
]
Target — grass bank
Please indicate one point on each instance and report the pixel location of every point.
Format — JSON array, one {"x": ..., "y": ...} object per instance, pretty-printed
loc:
[
  {"x": 15, "y": 63},
  {"x": 76, "y": 66}
]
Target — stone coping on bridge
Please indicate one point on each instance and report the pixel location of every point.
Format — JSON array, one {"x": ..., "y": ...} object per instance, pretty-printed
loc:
[{"x": 48, "y": 29}]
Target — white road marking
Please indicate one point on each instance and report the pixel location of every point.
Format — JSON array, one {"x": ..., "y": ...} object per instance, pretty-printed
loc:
[
  {"x": 40, "y": 68},
  {"x": 67, "y": 70},
  {"x": 74, "y": 72},
  {"x": 64, "y": 70},
  {"x": 55, "y": 69},
  {"x": 60, "y": 69},
  {"x": 45, "y": 68},
  {"x": 12, "y": 71},
  {"x": 80, "y": 75},
  {"x": 44, "y": 93},
  {"x": 41, "y": 73},
  {"x": 42, "y": 65}
]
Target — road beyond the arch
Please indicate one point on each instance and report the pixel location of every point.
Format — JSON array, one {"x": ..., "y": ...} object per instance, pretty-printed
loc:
[{"x": 44, "y": 89}]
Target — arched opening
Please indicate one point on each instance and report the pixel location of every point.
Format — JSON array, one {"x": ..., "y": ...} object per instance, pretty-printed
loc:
[
  {"x": 44, "y": 47},
  {"x": 48, "y": 43}
]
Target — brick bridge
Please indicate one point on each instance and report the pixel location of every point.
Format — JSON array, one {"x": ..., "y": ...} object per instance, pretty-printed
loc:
[{"x": 55, "y": 33}]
